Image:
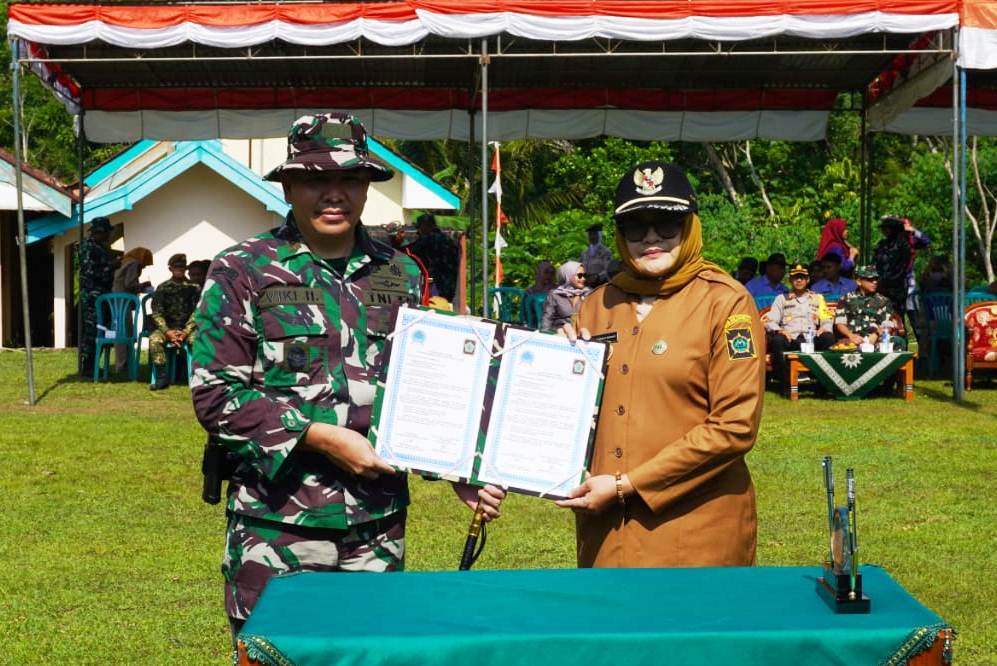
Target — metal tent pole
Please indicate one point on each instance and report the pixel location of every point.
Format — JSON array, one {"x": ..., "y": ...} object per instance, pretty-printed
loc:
[
  {"x": 80, "y": 140},
  {"x": 959, "y": 304},
  {"x": 863, "y": 186},
  {"x": 484, "y": 176},
  {"x": 956, "y": 206},
  {"x": 472, "y": 273},
  {"x": 21, "y": 240}
]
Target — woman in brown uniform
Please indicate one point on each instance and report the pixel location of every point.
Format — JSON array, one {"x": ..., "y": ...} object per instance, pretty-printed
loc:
[{"x": 683, "y": 393}]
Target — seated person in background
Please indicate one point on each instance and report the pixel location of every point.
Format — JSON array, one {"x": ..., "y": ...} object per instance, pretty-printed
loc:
[
  {"x": 438, "y": 254},
  {"x": 793, "y": 317},
  {"x": 173, "y": 307},
  {"x": 833, "y": 281},
  {"x": 937, "y": 276},
  {"x": 746, "y": 270},
  {"x": 816, "y": 269},
  {"x": 197, "y": 272},
  {"x": 545, "y": 280},
  {"x": 563, "y": 302},
  {"x": 864, "y": 315},
  {"x": 770, "y": 283}
]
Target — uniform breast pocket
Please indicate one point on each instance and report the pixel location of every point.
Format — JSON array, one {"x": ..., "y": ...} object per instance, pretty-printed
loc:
[
  {"x": 294, "y": 351},
  {"x": 380, "y": 320}
]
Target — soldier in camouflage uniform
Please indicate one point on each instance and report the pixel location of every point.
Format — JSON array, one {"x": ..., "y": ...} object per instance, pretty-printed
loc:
[
  {"x": 291, "y": 332},
  {"x": 173, "y": 307},
  {"x": 862, "y": 313},
  {"x": 97, "y": 266}
]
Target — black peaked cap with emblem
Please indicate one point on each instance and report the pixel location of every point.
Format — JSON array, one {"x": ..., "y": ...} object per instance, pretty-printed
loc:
[{"x": 654, "y": 185}]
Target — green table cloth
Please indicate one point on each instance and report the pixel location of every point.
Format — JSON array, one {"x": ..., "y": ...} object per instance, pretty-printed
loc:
[
  {"x": 851, "y": 375},
  {"x": 578, "y": 617}
]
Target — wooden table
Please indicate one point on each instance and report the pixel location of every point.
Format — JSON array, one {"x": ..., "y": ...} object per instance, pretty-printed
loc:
[{"x": 905, "y": 375}]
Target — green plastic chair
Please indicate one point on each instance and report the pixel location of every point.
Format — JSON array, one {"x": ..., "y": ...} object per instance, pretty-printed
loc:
[
  {"x": 979, "y": 297},
  {"x": 117, "y": 324},
  {"x": 531, "y": 309},
  {"x": 509, "y": 300},
  {"x": 171, "y": 362},
  {"x": 938, "y": 311}
]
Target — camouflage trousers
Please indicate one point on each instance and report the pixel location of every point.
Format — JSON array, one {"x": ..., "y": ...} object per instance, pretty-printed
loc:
[
  {"x": 157, "y": 347},
  {"x": 256, "y": 550}
]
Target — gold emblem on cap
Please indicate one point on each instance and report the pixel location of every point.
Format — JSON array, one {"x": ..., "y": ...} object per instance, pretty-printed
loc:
[
  {"x": 649, "y": 182},
  {"x": 659, "y": 348}
]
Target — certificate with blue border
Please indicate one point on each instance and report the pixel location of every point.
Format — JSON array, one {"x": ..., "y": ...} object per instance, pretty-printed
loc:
[
  {"x": 543, "y": 415},
  {"x": 429, "y": 404}
]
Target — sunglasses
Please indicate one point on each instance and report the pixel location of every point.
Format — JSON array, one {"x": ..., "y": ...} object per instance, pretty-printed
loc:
[
  {"x": 582, "y": 275},
  {"x": 635, "y": 230}
]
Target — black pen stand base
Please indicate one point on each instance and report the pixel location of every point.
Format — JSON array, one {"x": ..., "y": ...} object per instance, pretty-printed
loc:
[{"x": 835, "y": 590}]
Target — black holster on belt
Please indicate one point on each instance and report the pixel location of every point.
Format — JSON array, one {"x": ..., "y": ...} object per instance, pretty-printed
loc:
[{"x": 217, "y": 465}]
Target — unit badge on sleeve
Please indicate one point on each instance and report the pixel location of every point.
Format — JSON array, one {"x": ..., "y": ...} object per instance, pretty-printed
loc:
[{"x": 740, "y": 343}]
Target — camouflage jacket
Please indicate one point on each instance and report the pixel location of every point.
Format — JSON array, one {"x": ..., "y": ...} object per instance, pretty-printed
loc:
[
  {"x": 284, "y": 339},
  {"x": 173, "y": 305},
  {"x": 863, "y": 314},
  {"x": 441, "y": 258},
  {"x": 97, "y": 265}
]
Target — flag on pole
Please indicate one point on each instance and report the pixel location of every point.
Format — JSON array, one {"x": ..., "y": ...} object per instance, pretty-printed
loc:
[{"x": 500, "y": 218}]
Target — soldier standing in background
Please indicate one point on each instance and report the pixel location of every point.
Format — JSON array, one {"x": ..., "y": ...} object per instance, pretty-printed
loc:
[
  {"x": 595, "y": 258},
  {"x": 173, "y": 307},
  {"x": 97, "y": 265},
  {"x": 438, "y": 254},
  {"x": 291, "y": 333}
]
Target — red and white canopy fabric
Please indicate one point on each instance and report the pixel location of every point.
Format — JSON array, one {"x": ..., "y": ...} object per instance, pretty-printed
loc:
[
  {"x": 932, "y": 116},
  {"x": 123, "y": 110},
  {"x": 402, "y": 23},
  {"x": 978, "y": 35}
]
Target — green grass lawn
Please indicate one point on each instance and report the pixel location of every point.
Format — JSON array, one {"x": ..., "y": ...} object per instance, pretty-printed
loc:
[{"x": 108, "y": 555}]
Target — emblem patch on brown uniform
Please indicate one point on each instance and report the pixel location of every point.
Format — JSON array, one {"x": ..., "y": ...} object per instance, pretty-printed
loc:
[{"x": 740, "y": 343}]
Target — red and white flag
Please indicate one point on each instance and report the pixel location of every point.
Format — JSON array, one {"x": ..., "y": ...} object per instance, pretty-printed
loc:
[{"x": 500, "y": 218}]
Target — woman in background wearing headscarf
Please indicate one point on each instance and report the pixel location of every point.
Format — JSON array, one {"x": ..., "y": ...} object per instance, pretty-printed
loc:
[
  {"x": 545, "y": 280},
  {"x": 683, "y": 393},
  {"x": 126, "y": 280},
  {"x": 834, "y": 240},
  {"x": 132, "y": 264},
  {"x": 563, "y": 302}
]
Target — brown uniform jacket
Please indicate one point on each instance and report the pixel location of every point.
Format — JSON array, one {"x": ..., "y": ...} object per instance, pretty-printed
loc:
[{"x": 679, "y": 422}]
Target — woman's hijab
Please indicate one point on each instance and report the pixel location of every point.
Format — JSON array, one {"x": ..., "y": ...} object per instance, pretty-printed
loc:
[
  {"x": 139, "y": 254},
  {"x": 831, "y": 236},
  {"x": 688, "y": 264},
  {"x": 564, "y": 274}
]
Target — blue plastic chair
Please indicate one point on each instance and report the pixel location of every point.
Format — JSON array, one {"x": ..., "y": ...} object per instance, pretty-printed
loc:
[
  {"x": 937, "y": 307},
  {"x": 509, "y": 300},
  {"x": 764, "y": 300},
  {"x": 531, "y": 309},
  {"x": 147, "y": 324},
  {"x": 979, "y": 297},
  {"x": 117, "y": 324},
  {"x": 171, "y": 362}
]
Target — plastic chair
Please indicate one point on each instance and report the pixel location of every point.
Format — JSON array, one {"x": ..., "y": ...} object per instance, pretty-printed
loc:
[
  {"x": 509, "y": 300},
  {"x": 117, "y": 324},
  {"x": 171, "y": 362},
  {"x": 764, "y": 301},
  {"x": 147, "y": 324},
  {"x": 974, "y": 297},
  {"x": 938, "y": 311},
  {"x": 531, "y": 309}
]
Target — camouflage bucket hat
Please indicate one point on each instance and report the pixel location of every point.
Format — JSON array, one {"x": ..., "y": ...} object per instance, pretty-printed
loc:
[
  {"x": 867, "y": 272},
  {"x": 328, "y": 142}
]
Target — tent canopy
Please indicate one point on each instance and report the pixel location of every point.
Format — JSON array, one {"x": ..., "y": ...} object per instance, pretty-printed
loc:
[{"x": 697, "y": 71}]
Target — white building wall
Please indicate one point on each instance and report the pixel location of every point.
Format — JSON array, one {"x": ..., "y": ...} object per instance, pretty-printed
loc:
[{"x": 198, "y": 213}]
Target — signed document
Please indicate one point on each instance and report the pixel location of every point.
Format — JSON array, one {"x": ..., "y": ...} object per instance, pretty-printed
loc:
[
  {"x": 427, "y": 416},
  {"x": 543, "y": 414}
]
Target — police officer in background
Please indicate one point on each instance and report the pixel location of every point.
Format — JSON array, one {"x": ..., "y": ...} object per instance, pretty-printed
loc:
[
  {"x": 291, "y": 332},
  {"x": 795, "y": 316}
]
